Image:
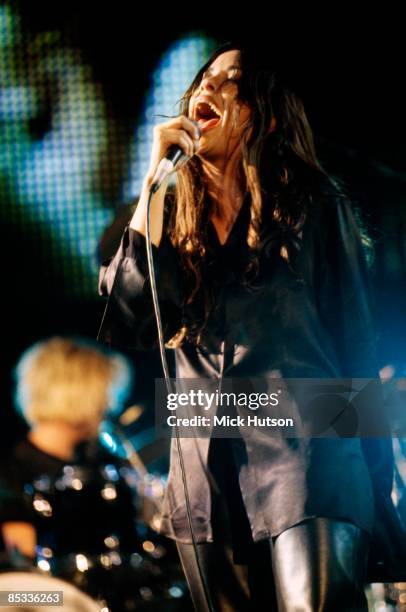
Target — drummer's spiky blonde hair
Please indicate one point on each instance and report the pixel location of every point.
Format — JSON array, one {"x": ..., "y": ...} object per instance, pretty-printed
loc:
[{"x": 70, "y": 380}]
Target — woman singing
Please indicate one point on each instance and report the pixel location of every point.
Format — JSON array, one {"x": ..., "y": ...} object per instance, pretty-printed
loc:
[{"x": 260, "y": 272}]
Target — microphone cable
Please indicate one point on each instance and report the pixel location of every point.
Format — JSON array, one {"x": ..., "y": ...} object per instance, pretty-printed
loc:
[{"x": 169, "y": 390}]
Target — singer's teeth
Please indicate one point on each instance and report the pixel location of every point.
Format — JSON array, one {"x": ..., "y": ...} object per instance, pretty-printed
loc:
[{"x": 206, "y": 111}]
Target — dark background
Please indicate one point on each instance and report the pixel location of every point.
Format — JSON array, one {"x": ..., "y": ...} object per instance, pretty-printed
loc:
[{"x": 349, "y": 70}]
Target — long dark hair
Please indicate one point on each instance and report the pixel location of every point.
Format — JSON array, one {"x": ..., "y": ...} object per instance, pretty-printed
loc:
[{"x": 278, "y": 170}]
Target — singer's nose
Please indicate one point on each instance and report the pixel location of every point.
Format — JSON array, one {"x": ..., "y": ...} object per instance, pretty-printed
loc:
[{"x": 208, "y": 83}]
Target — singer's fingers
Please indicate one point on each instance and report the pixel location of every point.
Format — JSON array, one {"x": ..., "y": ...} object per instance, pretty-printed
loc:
[
  {"x": 182, "y": 138},
  {"x": 191, "y": 127},
  {"x": 183, "y": 123}
]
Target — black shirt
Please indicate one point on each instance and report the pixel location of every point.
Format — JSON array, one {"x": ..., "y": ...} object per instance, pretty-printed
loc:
[{"x": 312, "y": 318}]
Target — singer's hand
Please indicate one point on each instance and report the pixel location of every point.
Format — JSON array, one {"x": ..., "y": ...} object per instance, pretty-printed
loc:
[{"x": 180, "y": 131}]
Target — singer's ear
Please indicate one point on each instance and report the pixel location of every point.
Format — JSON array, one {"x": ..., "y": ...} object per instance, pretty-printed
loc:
[{"x": 272, "y": 127}]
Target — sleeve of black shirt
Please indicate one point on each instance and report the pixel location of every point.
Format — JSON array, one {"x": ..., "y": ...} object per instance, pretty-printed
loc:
[
  {"x": 129, "y": 320},
  {"x": 347, "y": 307},
  {"x": 345, "y": 294}
]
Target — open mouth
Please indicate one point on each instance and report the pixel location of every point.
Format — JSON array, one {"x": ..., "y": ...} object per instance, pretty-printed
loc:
[{"x": 207, "y": 115}]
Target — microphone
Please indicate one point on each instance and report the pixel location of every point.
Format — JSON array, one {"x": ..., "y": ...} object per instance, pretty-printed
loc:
[{"x": 168, "y": 164}]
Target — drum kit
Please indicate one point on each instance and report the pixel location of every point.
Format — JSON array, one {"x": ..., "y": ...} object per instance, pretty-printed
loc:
[{"x": 97, "y": 536}]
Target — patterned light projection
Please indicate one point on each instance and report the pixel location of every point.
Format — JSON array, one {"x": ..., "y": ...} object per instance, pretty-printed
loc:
[{"x": 62, "y": 154}]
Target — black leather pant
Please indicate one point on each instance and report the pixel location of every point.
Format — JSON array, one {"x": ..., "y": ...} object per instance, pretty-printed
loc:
[{"x": 315, "y": 566}]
